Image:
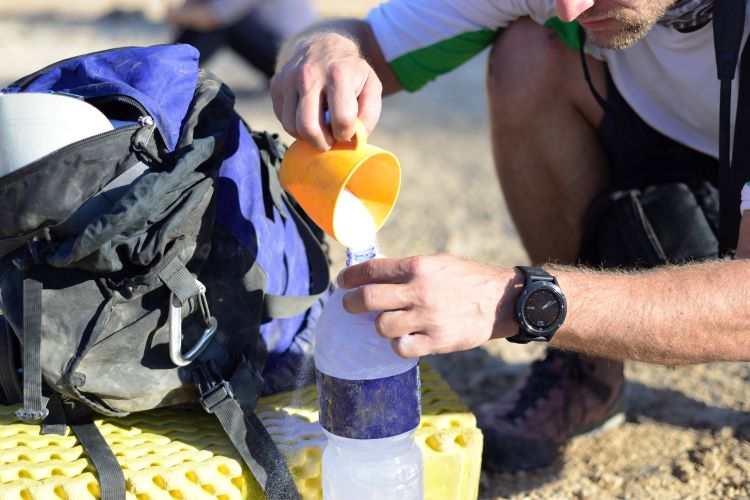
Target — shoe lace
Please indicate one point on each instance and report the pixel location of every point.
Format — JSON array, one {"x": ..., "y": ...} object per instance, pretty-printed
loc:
[{"x": 544, "y": 375}]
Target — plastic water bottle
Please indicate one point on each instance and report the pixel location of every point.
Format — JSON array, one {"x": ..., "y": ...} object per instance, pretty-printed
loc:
[{"x": 369, "y": 406}]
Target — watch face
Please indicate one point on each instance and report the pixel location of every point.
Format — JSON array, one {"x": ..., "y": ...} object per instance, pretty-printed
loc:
[{"x": 542, "y": 309}]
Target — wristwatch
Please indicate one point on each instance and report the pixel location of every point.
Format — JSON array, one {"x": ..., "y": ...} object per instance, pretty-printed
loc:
[{"x": 540, "y": 309}]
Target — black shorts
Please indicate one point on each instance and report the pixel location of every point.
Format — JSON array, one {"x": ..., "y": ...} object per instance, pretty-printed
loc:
[
  {"x": 639, "y": 156},
  {"x": 661, "y": 204}
]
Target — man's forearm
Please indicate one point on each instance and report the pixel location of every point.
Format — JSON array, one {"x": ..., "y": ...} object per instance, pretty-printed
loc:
[{"x": 676, "y": 315}]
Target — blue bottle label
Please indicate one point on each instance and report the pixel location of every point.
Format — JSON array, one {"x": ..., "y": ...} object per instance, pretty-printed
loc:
[{"x": 369, "y": 409}]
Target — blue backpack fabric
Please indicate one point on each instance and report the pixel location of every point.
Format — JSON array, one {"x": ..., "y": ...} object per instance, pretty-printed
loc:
[
  {"x": 277, "y": 242},
  {"x": 169, "y": 234}
]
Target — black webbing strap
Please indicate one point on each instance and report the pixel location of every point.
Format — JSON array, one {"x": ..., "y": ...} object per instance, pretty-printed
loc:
[
  {"x": 729, "y": 24},
  {"x": 55, "y": 422},
  {"x": 179, "y": 280},
  {"x": 111, "y": 478},
  {"x": 587, "y": 74},
  {"x": 247, "y": 433},
  {"x": 34, "y": 404}
]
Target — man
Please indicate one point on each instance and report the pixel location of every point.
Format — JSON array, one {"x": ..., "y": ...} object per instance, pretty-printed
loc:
[{"x": 640, "y": 110}]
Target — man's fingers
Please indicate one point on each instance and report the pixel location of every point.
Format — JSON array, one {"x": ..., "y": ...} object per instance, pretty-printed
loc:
[
  {"x": 342, "y": 102},
  {"x": 378, "y": 271},
  {"x": 394, "y": 324},
  {"x": 277, "y": 94},
  {"x": 412, "y": 346},
  {"x": 310, "y": 123},
  {"x": 289, "y": 110},
  {"x": 376, "y": 298},
  {"x": 370, "y": 102}
]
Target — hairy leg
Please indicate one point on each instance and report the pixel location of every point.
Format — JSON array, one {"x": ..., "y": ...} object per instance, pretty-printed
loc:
[
  {"x": 543, "y": 124},
  {"x": 551, "y": 167}
]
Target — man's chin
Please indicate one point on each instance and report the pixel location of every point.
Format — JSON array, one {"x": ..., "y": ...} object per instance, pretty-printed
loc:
[
  {"x": 613, "y": 41},
  {"x": 616, "y": 39}
]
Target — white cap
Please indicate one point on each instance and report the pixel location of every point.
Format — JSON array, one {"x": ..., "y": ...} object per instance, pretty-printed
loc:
[{"x": 33, "y": 125}]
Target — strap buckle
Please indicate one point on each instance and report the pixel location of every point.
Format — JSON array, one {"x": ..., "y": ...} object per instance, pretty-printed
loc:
[
  {"x": 29, "y": 415},
  {"x": 214, "y": 391}
]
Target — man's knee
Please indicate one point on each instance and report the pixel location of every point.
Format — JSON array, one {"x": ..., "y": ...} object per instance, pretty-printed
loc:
[{"x": 527, "y": 66}]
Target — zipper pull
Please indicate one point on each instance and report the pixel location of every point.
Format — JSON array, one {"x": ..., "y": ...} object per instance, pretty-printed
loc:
[
  {"x": 145, "y": 121},
  {"x": 147, "y": 127}
]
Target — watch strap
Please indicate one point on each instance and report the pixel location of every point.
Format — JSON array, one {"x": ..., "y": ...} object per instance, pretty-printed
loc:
[
  {"x": 534, "y": 274},
  {"x": 523, "y": 337}
]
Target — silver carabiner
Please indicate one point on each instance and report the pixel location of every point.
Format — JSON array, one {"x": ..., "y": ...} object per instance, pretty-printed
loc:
[{"x": 175, "y": 329}]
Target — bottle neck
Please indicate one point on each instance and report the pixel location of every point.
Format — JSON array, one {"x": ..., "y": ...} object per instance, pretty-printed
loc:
[{"x": 357, "y": 256}]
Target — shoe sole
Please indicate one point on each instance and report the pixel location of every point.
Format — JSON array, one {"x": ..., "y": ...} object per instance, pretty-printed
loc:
[{"x": 616, "y": 418}]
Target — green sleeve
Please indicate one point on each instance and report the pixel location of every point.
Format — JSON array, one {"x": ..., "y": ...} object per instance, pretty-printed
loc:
[
  {"x": 569, "y": 32},
  {"x": 416, "y": 69}
]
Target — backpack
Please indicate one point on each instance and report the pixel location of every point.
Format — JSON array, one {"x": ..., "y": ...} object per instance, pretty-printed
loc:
[{"x": 157, "y": 264}]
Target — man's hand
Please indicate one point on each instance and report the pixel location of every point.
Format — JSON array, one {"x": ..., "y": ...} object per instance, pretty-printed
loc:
[
  {"x": 325, "y": 70},
  {"x": 434, "y": 304}
]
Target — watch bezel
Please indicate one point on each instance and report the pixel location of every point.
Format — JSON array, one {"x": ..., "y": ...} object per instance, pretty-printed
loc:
[{"x": 523, "y": 322}]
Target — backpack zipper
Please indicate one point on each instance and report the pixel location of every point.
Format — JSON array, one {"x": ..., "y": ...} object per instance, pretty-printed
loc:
[
  {"x": 125, "y": 99},
  {"x": 24, "y": 170},
  {"x": 143, "y": 122}
]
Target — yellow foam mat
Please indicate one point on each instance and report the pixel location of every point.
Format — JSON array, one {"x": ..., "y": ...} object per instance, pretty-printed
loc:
[{"x": 169, "y": 453}]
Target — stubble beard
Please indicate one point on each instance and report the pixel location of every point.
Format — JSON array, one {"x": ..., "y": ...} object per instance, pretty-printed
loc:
[{"x": 629, "y": 30}]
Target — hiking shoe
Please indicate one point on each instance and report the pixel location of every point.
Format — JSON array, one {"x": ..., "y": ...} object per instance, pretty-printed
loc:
[{"x": 563, "y": 395}]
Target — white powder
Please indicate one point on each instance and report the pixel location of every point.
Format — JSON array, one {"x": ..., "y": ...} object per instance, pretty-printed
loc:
[{"x": 352, "y": 222}]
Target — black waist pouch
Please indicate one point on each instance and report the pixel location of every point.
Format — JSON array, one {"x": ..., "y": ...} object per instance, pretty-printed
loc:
[{"x": 665, "y": 223}]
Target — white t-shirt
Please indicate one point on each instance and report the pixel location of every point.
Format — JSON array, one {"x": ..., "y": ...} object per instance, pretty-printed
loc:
[{"x": 668, "y": 77}]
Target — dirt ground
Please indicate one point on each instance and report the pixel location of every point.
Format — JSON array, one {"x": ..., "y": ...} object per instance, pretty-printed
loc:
[{"x": 687, "y": 434}]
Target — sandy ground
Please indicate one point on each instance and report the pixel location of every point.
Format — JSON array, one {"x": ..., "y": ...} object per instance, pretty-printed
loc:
[{"x": 687, "y": 433}]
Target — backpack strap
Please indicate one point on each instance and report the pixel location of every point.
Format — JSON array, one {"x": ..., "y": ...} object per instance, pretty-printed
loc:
[
  {"x": 34, "y": 403},
  {"x": 729, "y": 23},
  {"x": 81, "y": 422},
  {"x": 179, "y": 280},
  {"x": 247, "y": 433},
  {"x": 54, "y": 422}
]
